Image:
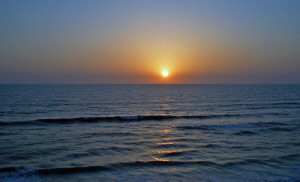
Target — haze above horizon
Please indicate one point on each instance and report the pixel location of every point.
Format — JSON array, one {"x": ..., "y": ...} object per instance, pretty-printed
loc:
[{"x": 127, "y": 41}]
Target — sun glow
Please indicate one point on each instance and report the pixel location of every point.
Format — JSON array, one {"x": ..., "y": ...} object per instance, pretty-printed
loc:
[{"x": 165, "y": 74}]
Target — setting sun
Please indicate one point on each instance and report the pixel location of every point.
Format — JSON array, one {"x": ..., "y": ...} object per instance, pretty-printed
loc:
[{"x": 165, "y": 73}]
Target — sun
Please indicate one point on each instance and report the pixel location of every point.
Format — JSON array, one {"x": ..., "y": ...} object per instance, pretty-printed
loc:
[{"x": 165, "y": 74}]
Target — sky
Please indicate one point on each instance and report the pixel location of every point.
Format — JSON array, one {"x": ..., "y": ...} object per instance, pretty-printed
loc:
[{"x": 134, "y": 41}]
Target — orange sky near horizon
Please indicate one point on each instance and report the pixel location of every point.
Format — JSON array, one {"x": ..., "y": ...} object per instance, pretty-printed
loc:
[{"x": 134, "y": 41}]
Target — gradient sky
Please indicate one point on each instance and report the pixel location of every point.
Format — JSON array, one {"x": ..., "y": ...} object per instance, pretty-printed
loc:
[{"x": 133, "y": 41}]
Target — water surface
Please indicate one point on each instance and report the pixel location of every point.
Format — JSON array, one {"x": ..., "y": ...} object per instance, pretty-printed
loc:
[{"x": 150, "y": 132}]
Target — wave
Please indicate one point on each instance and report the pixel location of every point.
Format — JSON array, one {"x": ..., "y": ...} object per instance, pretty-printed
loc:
[
  {"x": 194, "y": 127},
  {"x": 249, "y": 128},
  {"x": 271, "y": 123},
  {"x": 261, "y": 106},
  {"x": 246, "y": 161},
  {"x": 211, "y": 146},
  {"x": 282, "y": 129},
  {"x": 170, "y": 154},
  {"x": 245, "y": 132},
  {"x": 72, "y": 170},
  {"x": 55, "y": 170},
  {"x": 138, "y": 164},
  {"x": 69, "y": 170},
  {"x": 174, "y": 153},
  {"x": 291, "y": 157},
  {"x": 117, "y": 119},
  {"x": 246, "y": 125},
  {"x": 126, "y": 119},
  {"x": 286, "y": 103}
]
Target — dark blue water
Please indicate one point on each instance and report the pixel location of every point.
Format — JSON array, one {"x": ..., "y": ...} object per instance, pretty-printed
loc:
[{"x": 150, "y": 133}]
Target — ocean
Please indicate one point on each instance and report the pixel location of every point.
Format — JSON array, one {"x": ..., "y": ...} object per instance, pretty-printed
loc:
[{"x": 150, "y": 132}]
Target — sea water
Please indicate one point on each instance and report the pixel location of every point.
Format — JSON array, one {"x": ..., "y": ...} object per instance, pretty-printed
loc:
[{"x": 150, "y": 132}]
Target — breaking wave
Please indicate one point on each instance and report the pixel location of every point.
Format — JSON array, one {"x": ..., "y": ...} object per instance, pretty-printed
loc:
[
  {"x": 116, "y": 118},
  {"x": 124, "y": 119}
]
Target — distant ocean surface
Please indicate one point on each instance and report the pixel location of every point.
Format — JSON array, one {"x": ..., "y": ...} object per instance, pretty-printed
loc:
[{"x": 150, "y": 132}]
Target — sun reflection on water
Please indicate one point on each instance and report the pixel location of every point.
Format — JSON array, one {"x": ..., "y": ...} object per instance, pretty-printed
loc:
[
  {"x": 166, "y": 143},
  {"x": 161, "y": 159}
]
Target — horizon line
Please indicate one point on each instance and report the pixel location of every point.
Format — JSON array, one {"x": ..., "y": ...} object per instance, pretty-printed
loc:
[{"x": 149, "y": 83}]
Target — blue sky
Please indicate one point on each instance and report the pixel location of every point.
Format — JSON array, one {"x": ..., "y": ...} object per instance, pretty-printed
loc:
[{"x": 203, "y": 41}]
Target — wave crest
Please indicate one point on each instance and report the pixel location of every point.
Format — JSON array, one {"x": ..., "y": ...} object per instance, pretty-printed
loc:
[{"x": 115, "y": 118}]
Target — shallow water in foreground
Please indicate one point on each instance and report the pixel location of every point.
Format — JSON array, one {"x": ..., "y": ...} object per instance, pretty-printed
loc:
[{"x": 150, "y": 132}]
